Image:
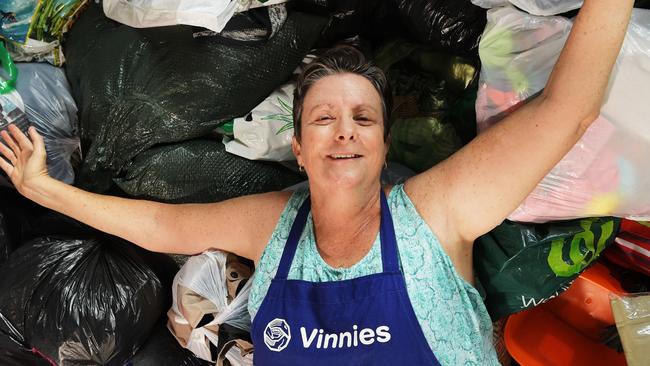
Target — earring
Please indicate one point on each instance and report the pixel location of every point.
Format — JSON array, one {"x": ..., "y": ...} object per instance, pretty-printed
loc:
[
  {"x": 300, "y": 168},
  {"x": 385, "y": 164}
]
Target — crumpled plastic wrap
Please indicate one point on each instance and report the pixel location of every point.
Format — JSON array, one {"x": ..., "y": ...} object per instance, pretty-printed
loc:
[
  {"x": 136, "y": 88},
  {"x": 39, "y": 95},
  {"x": 202, "y": 286},
  {"x": 201, "y": 171},
  {"x": 606, "y": 172},
  {"x": 52, "y": 111},
  {"x": 632, "y": 315},
  {"x": 81, "y": 301}
]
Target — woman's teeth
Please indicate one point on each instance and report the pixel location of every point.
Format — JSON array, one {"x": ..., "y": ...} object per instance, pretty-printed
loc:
[{"x": 346, "y": 156}]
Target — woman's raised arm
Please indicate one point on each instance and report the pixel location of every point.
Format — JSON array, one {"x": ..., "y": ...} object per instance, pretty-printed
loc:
[
  {"x": 475, "y": 189},
  {"x": 242, "y": 225}
]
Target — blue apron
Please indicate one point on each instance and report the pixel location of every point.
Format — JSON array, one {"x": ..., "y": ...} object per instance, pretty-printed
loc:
[{"x": 363, "y": 321}]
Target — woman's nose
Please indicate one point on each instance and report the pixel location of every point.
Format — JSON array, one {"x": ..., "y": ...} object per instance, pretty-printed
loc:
[
  {"x": 346, "y": 131},
  {"x": 343, "y": 137}
]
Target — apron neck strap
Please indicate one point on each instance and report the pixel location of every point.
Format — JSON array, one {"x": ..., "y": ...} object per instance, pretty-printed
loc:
[
  {"x": 386, "y": 236},
  {"x": 292, "y": 241}
]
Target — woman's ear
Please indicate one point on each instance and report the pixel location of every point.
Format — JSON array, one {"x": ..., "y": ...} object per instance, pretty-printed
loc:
[{"x": 295, "y": 147}]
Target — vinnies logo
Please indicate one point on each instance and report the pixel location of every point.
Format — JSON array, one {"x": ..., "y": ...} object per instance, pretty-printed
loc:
[{"x": 277, "y": 335}]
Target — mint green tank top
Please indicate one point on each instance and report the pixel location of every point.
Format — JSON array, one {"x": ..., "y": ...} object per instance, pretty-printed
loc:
[{"x": 450, "y": 311}]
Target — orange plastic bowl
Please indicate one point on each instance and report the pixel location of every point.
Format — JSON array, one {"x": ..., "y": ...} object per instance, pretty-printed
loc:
[{"x": 567, "y": 329}]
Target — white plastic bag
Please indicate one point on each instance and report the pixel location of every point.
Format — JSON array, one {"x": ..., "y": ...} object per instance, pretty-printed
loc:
[
  {"x": 606, "y": 172},
  {"x": 205, "y": 275},
  {"x": 210, "y": 14},
  {"x": 265, "y": 133}
]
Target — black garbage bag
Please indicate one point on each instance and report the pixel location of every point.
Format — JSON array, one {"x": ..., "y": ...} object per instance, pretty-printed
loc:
[
  {"x": 524, "y": 265},
  {"x": 453, "y": 25},
  {"x": 162, "y": 349},
  {"x": 25, "y": 220},
  {"x": 13, "y": 353},
  {"x": 201, "y": 171},
  {"x": 371, "y": 20},
  {"x": 5, "y": 241},
  {"x": 82, "y": 301},
  {"x": 136, "y": 88},
  {"x": 15, "y": 214}
]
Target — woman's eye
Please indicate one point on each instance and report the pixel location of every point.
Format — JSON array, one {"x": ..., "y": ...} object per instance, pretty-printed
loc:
[
  {"x": 363, "y": 120},
  {"x": 323, "y": 118}
]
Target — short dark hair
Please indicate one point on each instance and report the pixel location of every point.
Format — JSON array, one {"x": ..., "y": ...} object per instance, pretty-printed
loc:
[{"x": 341, "y": 60}]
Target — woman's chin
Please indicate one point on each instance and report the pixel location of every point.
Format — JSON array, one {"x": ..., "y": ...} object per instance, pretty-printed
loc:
[{"x": 348, "y": 179}]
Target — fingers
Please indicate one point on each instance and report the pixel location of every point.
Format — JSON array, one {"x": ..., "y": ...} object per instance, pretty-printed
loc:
[
  {"x": 9, "y": 141},
  {"x": 7, "y": 153},
  {"x": 20, "y": 137},
  {"x": 37, "y": 141},
  {"x": 5, "y": 166}
]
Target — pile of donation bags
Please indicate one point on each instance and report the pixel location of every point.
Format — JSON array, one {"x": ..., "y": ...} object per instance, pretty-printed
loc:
[{"x": 193, "y": 104}]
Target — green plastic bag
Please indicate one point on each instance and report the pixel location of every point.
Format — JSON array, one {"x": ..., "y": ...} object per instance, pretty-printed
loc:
[{"x": 524, "y": 265}]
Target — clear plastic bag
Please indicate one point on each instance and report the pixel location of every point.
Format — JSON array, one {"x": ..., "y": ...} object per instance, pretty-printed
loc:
[
  {"x": 605, "y": 174},
  {"x": 535, "y": 7},
  {"x": 50, "y": 108},
  {"x": 39, "y": 95},
  {"x": 205, "y": 278},
  {"x": 632, "y": 315},
  {"x": 547, "y": 7}
]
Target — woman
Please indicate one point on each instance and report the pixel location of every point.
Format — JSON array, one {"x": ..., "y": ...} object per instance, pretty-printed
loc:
[{"x": 352, "y": 272}]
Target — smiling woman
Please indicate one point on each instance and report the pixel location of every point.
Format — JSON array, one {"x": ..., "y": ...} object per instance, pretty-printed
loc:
[
  {"x": 341, "y": 60},
  {"x": 383, "y": 273}
]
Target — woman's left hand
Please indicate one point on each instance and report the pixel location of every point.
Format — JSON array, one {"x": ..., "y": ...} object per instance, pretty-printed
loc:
[{"x": 25, "y": 159}]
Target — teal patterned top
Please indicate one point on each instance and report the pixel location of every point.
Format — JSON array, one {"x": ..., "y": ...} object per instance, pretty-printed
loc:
[{"x": 450, "y": 310}]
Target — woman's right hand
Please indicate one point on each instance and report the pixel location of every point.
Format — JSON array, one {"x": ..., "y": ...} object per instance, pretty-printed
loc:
[{"x": 25, "y": 158}]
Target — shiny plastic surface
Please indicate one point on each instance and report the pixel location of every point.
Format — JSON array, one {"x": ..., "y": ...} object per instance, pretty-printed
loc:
[
  {"x": 605, "y": 174},
  {"x": 83, "y": 301},
  {"x": 136, "y": 88}
]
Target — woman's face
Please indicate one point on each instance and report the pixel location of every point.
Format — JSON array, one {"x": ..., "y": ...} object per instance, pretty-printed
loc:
[{"x": 342, "y": 139}]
